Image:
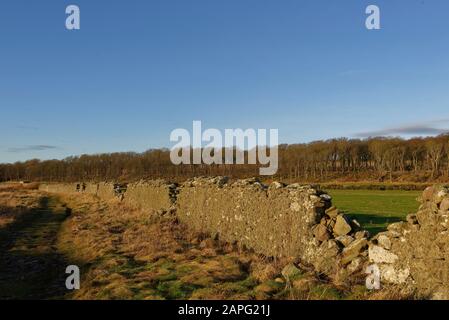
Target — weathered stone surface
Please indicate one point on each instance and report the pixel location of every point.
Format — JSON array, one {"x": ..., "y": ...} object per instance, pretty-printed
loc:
[
  {"x": 345, "y": 240},
  {"x": 393, "y": 234},
  {"x": 435, "y": 194},
  {"x": 321, "y": 233},
  {"x": 428, "y": 193},
  {"x": 422, "y": 247},
  {"x": 384, "y": 241},
  {"x": 353, "y": 250},
  {"x": 411, "y": 219},
  {"x": 393, "y": 275},
  {"x": 277, "y": 185},
  {"x": 330, "y": 223},
  {"x": 332, "y": 212},
  {"x": 326, "y": 257},
  {"x": 342, "y": 227},
  {"x": 397, "y": 227},
  {"x": 362, "y": 234},
  {"x": 442, "y": 193},
  {"x": 412, "y": 254},
  {"x": 378, "y": 254},
  {"x": 295, "y": 206},
  {"x": 324, "y": 221},
  {"x": 355, "y": 265}
]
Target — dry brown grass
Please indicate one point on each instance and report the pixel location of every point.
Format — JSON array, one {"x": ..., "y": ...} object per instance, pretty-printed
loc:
[
  {"x": 131, "y": 254},
  {"x": 393, "y": 293},
  {"x": 13, "y": 204},
  {"x": 18, "y": 186}
]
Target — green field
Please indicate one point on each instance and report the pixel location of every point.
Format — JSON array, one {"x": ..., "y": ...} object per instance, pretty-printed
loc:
[{"x": 375, "y": 209}]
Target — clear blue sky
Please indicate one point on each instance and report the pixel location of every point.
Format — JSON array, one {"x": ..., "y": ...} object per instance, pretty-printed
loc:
[{"x": 139, "y": 69}]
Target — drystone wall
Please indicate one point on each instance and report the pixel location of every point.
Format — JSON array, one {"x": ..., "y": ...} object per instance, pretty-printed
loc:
[
  {"x": 151, "y": 195},
  {"x": 66, "y": 187},
  {"x": 299, "y": 222},
  {"x": 292, "y": 221},
  {"x": 283, "y": 221}
]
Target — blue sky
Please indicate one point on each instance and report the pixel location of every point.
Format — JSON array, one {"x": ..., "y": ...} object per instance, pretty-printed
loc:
[{"x": 139, "y": 69}]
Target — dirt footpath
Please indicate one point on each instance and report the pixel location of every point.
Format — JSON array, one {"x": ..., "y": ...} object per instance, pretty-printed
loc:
[{"x": 30, "y": 265}]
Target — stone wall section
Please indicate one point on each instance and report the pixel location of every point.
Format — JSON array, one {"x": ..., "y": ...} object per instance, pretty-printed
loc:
[
  {"x": 415, "y": 253},
  {"x": 298, "y": 222}
]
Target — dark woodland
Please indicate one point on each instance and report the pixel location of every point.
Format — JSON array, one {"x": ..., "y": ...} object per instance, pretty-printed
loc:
[{"x": 374, "y": 159}]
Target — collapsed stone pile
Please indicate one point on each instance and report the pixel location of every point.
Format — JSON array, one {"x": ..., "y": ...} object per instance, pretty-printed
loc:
[{"x": 341, "y": 249}]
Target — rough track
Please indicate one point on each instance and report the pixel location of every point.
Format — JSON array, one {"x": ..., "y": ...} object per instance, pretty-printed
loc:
[{"x": 30, "y": 265}]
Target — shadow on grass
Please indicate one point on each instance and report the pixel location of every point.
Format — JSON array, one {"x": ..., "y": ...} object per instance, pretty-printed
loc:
[
  {"x": 372, "y": 222},
  {"x": 30, "y": 266}
]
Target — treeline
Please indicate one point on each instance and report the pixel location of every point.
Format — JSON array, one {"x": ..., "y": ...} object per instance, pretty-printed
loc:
[{"x": 378, "y": 159}]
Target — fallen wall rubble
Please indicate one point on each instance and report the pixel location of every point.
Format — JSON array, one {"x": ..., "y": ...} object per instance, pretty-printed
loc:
[{"x": 415, "y": 253}]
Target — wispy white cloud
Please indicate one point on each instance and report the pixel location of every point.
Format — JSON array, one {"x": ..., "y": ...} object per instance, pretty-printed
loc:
[
  {"x": 428, "y": 128},
  {"x": 38, "y": 147}
]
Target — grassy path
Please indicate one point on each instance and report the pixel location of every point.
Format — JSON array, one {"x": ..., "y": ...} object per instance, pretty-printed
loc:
[{"x": 30, "y": 265}]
